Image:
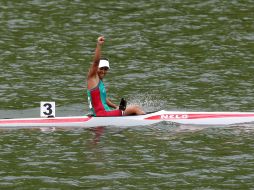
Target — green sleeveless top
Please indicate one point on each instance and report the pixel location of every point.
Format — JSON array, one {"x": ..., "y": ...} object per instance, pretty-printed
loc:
[{"x": 97, "y": 98}]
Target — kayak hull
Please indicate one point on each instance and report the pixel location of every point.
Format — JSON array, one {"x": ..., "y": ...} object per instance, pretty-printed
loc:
[{"x": 187, "y": 118}]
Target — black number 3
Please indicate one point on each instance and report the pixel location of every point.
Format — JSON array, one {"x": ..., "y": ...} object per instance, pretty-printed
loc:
[{"x": 49, "y": 110}]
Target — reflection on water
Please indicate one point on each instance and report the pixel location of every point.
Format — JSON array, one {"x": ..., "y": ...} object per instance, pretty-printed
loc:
[
  {"x": 98, "y": 132},
  {"x": 115, "y": 157}
]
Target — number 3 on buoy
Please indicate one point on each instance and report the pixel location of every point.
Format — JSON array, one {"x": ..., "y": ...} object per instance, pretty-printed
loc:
[{"x": 48, "y": 109}]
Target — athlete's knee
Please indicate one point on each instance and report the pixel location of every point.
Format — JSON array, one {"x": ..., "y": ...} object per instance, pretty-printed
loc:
[{"x": 136, "y": 110}]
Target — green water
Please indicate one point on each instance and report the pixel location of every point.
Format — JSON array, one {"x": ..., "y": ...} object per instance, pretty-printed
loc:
[{"x": 174, "y": 55}]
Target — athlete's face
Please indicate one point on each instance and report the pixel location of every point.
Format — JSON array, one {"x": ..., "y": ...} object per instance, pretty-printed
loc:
[{"x": 102, "y": 72}]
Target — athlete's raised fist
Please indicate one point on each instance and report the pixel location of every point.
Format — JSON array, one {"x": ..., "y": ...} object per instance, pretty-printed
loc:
[{"x": 101, "y": 40}]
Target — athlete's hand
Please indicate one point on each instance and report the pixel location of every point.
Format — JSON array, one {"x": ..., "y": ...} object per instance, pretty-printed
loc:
[{"x": 101, "y": 40}]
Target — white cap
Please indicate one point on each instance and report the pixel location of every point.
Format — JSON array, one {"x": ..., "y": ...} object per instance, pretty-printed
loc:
[{"x": 104, "y": 63}]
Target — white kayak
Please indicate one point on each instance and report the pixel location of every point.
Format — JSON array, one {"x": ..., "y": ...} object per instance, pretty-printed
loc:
[{"x": 189, "y": 118}]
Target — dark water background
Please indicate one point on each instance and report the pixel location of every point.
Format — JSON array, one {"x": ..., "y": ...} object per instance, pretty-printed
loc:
[{"x": 174, "y": 55}]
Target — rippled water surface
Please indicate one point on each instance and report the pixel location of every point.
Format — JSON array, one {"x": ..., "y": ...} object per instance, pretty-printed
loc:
[
  {"x": 128, "y": 159},
  {"x": 175, "y": 55}
]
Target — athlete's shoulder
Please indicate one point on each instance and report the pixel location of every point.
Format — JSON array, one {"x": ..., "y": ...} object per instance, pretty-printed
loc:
[{"x": 92, "y": 82}]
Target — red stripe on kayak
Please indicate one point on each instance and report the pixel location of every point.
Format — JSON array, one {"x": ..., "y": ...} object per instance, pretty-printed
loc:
[
  {"x": 49, "y": 120},
  {"x": 196, "y": 116}
]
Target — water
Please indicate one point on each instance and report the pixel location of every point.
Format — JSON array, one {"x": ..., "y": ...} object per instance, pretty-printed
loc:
[
  {"x": 173, "y": 55},
  {"x": 127, "y": 159}
]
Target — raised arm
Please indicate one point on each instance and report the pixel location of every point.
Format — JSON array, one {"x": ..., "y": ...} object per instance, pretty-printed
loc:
[{"x": 96, "y": 60}]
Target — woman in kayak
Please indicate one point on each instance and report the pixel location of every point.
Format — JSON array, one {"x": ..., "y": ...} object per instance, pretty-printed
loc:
[{"x": 99, "y": 104}]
